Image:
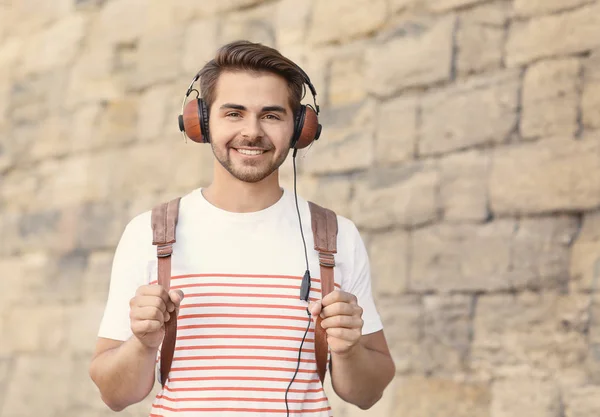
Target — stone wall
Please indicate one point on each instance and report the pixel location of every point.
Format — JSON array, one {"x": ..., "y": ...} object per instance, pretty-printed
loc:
[{"x": 460, "y": 135}]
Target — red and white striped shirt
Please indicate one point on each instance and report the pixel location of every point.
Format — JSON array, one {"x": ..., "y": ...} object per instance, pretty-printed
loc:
[{"x": 241, "y": 322}]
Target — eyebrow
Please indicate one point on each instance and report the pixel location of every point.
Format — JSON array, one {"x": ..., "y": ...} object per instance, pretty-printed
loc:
[{"x": 265, "y": 109}]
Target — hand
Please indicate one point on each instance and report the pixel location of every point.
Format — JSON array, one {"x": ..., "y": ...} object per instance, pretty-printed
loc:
[
  {"x": 342, "y": 320},
  {"x": 151, "y": 307}
]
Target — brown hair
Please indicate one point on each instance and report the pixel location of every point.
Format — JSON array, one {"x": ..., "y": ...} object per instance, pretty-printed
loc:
[{"x": 252, "y": 57}]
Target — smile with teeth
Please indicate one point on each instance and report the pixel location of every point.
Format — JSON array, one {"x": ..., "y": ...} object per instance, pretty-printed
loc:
[{"x": 250, "y": 151}]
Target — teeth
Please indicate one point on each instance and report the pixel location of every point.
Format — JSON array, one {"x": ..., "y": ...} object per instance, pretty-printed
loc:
[{"x": 250, "y": 151}]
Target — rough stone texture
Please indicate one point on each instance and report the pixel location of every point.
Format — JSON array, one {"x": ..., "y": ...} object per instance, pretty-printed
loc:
[
  {"x": 565, "y": 33},
  {"x": 531, "y": 397},
  {"x": 585, "y": 255},
  {"x": 480, "y": 111},
  {"x": 464, "y": 178},
  {"x": 396, "y": 131},
  {"x": 527, "y": 8},
  {"x": 583, "y": 402},
  {"x": 406, "y": 196},
  {"x": 541, "y": 332},
  {"x": 530, "y": 178},
  {"x": 461, "y": 137},
  {"x": 333, "y": 20},
  {"x": 423, "y": 397},
  {"x": 420, "y": 54},
  {"x": 551, "y": 99},
  {"x": 480, "y": 38}
]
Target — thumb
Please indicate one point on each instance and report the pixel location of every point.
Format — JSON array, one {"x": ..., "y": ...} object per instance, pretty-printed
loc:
[
  {"x": 176, "y": 297},
  {"x": 315, "y": 308}
]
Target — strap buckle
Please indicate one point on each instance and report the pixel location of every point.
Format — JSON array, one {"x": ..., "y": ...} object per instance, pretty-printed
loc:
[
  {"x": 326, "y": 259},
  {"x": 164, "y": 251}
]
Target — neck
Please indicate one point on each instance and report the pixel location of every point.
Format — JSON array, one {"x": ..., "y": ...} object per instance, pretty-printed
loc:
[{"x": 230, "y": 194}]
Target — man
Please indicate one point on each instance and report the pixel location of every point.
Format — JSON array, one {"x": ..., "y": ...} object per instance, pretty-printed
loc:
[{"x": 236, "y": 268}]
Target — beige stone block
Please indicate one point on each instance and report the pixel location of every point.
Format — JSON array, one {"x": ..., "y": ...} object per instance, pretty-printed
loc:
[
  {"x": 55, "y": 46},
  {"x": 526, "y": 8},
  {"x": 82, "y": 322},
  {"x": 542, "y": 331},
  {"x": 346, "y": 79},
  {"x": 334, "y": 20},
  {"x": 91, "y": 77},
  {"x": 396, "y": 136},
  {"x": 346, "y": 142},
  {"x": 478, "y": 111},
  {"x": 23, "y": 275},
  {"x": 494, "y": 14},
  {"x": 463, "y": 257},
  {"x": 550, "y": 98},
  {"x": 55, "y": 143},
  {"x": 541, "y": 250},
  {"x": 446, "y": 332},
  {"x": 585, "y": 254},
  {"x": 402, "y": 319},
  {"x": 32, "y": 329},
  {"x": 64, "y": 182},
  {"x": 531, "y": 178},
  {"x": 561, "y": 34},
  {"x": 405, "y": 196},
  {"x": 291, "y": 22},
  {"x": 525, "y": 397},
  {"x": 158, "y": 58},
  {"x": 39, "y": 386},
  {"x": 199, "y": 46},
  {"x": 418, "y": 396},
  {"x": 583, "y": 402},
  {"x": 114, "y": 24},
  {"x": 479, "y": 47},
  {"x": 152, "y": 112},
  {"x": 96, "y": 278},
  {"x": 464, "y": 179},
  {"x": 17, "y": 188},
  {"x": 253, "y": 24},
  {"x": 333, "y": 193},
  {"x": 590, "y": 101},
  {"x": 83, "y": 133},
  {"x": 388, "y": 253},
  {"x": 422, "y": 56}
]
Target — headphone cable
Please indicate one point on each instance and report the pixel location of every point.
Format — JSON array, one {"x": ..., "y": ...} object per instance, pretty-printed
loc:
[{"x": 304, "y": 288}]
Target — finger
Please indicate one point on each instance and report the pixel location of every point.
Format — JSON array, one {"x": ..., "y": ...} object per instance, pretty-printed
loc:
[
  {"x": 338, "y": 296},
  {"x": 150, "y": 301},
  {"x": 350, "y": 335},
  {"x": 147, "y": 313},
  {"x": 341, "y": 309},
  {"x": 176, "y": 297},
  {"x": 145, "y": 326},
  {"x": 153, "y": 290},
  {"x": 348, "y": 322},
  {"x": 315, "y": 308}
]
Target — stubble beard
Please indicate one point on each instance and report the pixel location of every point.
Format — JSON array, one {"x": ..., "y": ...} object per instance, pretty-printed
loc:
[{"x": 248, "y": 172}]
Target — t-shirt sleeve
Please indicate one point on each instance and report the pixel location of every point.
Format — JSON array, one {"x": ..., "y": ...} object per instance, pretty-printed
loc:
[
  {"x": 129, "y": 271},
  {"x": 358, "y": 281}
]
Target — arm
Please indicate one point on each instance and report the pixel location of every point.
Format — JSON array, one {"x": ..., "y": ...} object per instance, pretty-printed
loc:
[
  {"x": 123, "y": 371},
  {"x": 361, "y": 365},
  {"x": 360, "y": 376}
]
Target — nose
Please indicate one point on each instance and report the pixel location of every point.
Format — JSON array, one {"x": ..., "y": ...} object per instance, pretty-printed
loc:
[{"x": 252, "y": 128}]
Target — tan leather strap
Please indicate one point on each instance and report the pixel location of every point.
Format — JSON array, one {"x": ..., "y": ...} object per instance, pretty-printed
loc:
[
  {"x": 164, "y": 223},
  {"x": 325, "y": 229}
]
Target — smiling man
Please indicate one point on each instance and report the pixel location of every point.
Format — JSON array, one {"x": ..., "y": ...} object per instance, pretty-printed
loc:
[{"x": 245, "y": 342}]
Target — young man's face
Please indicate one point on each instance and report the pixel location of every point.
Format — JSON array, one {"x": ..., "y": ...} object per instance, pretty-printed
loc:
[{"x": 251, "y": 124}]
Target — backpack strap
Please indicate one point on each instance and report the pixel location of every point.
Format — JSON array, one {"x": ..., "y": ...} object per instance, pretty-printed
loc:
[
  {"x": 164, "y": 223},
  {"x": 325, "y": 230}
]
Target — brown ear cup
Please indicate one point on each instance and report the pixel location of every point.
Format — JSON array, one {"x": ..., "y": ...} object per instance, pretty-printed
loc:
[
  {"x": 307, "y": 128},
  {"x": 194, "y": 120}
]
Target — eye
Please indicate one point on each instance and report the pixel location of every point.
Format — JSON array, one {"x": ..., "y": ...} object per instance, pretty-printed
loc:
[
  {"x": 233, "y": 114},
  {"x": 272, "y": 117}
]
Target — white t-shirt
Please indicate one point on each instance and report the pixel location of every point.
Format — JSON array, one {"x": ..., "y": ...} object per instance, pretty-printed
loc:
[{"x": 241, "y": 321}]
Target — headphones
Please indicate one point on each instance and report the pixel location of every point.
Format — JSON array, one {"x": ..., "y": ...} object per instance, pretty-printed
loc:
[{"x": 193, "y": 120}]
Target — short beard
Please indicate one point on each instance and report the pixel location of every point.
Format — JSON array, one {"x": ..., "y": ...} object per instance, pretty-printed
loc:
[{"x": 248, "y": 173}]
